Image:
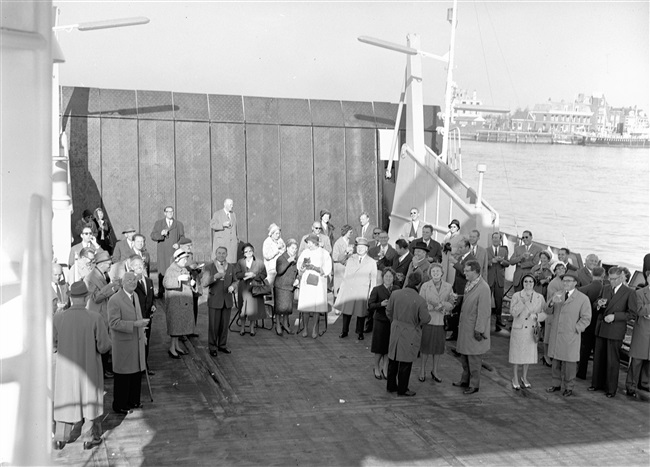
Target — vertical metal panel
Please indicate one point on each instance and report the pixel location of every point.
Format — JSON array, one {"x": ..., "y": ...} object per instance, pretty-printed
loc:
[
  {"x": 193, "y": 203},
  {"x": 118, "y": 103},
  {"x": 79, "y": 102},
  {"x": 296, "y": 178},
  {"x": 329, "y": 170},
  {"x": 120, "y": 172},
  {"x": 385, "y": 114},
  {"x": 294, "y": 112},
  {"x": 85, "y": 165},
  {"x": 326, "y": 113},
  {"x": 361, "y": 174},
  {"x": 263, "y": 181},
  {"x": 228, "y": 145},
  {"x": 226, "y": 108},
  {"x": 192, "y": 107},
  {"x": 260, "y": 110},
  {"x": 358, "y": 114},
  {"x": 157, "y": 174},
  {"x": 155, "y": 105}
]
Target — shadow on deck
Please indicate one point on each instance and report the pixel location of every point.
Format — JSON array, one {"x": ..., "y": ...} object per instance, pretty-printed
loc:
[{"x": 298, "y": 401}]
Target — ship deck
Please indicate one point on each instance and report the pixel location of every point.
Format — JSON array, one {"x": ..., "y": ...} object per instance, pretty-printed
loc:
[{"x": 298, "y": 401}]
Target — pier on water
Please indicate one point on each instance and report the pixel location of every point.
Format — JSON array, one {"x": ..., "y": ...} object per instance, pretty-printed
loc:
[
  {"x": 500, "y": 136},
  {"x": 300, "y": 401}
]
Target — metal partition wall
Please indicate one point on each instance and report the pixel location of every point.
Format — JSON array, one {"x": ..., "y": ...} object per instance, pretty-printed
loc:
[{"x": 280, "y": 160}]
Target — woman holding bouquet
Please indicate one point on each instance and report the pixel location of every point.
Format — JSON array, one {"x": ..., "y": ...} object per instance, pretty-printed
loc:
[
  {"x": 314, "y": 266},
  {"x": 440, "y": 301}
]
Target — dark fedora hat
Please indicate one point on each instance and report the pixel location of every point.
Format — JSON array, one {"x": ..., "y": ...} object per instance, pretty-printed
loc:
[
  {"x": 421, "y": 246},
  {"x": 79, "y": 289}
]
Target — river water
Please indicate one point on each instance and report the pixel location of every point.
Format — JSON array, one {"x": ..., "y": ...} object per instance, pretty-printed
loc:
[{"x": 591, "y": 199}]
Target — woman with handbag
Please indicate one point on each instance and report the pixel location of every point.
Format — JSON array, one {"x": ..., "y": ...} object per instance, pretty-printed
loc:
[
  {"x": 314, "y": 266},
  {"x": 285, "y": 283},
  {"x": 526, "y": 308},
  {"x": 251, "y": 274}
]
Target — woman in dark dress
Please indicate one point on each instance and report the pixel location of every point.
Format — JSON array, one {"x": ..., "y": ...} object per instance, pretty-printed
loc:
[
  {"x": 381, "y": 325},
  {"x": 250, "y": 308},
  {"x": 285, "y": 283}
]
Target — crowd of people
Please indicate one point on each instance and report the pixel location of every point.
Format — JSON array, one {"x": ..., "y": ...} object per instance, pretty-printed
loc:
[{"x": 413, "y": 296}]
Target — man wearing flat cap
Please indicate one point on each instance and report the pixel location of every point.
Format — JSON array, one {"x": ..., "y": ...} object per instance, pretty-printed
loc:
[
  {"x": 571, "y": 312},
  {"x": 101, "y": 289},
  {"x": 80, "y": 336},
  {"x": 358, "y": 281},
  {"x": 124, "y": 248},
  {"x": 127, "y": 330}
]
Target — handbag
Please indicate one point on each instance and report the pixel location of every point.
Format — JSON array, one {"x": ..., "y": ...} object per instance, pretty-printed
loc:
[
  {"x": 537, "y": 331},
  {"x": 312, "y": 279},
  {"x": 260, "y": 288}
]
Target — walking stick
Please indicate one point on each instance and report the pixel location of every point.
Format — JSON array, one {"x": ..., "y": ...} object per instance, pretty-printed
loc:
[{"x": 146, "y": 373}]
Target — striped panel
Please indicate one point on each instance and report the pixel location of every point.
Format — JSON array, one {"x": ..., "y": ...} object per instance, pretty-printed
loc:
[
  {"x": 329, "y": 181},
  {"x": 263, "y": 181},
  {"x": 361, "y": 174},
  {"x": 296, "y": 180},
  {"x": 228, "y": 146},
  {"x": 120, "y": 172},
  {"x": 157, "y": 174},
  {"x": 193, "y": 204}
]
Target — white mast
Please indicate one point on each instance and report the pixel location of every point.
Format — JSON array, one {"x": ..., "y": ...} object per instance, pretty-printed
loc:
[{"x": 448, "y": 106}]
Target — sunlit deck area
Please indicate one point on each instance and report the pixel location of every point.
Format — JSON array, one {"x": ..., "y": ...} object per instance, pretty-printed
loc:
[{"x": 298, "y": 401}]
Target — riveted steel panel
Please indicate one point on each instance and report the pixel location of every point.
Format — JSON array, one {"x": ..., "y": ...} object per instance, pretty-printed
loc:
[
  {"x": 157, "y": 174},
  {"x": 85, "y": 165},
  {"x": 358, "y": 114},
  {"x": 120, "y": 172},
  {"x": 263, "y": 181},
  {"x": 329, "y": 174},
  {"x": 386, "y": 113},
  {"x": 294, "y": 112},
  {"x": 260, "y": 110},
  {"x": 326, "y": 113},
  {"x": 361, "y": 174},
  {"x": 118, "y": 103},
  {"x": 155, "y": 105},
  {"x": 226, "y": 108},
  {"x": 79, "y": 102},
  {"x": 191, "y": 107},
  {"x": 228, "y": 145},
  {"x": 296, "y": 178},
  {"x": 193, "y": 203}
]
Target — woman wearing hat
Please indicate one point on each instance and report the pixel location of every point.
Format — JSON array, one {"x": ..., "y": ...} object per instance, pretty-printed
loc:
[
  {"x": 314, "y": 266},
  {"x": 103, "y": 231},
  {"x": 249, "y": 270},
  {"x": 527, "y": 309},
  {"x": 420, "y": 263},
  {"x": 285, "y": 283},
  {"x": 179, "y": 286},
  {"x": 272, "y": 248},
  {"x": 450, "y": 247},
  {"x": 359, "y": 279}
]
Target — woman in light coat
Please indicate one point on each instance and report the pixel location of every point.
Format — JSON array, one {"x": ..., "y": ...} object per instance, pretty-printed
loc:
[
  {"x": 440, "y": 301},
  {"x": 179, "y": 308},
  {"x": 527, "y": 309},
  {"x": 272, "y": 248},
  {"x": 314, "y": 266}
]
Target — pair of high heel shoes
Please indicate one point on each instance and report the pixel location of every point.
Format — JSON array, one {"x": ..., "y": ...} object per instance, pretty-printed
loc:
[
  {"x": 283, "y": 328},
  {"x": 433, "y": 375},
  {"x": 517, "y": 387},
  {"x": 381, "y": 374},
  {"x": 176, "y": 356}
]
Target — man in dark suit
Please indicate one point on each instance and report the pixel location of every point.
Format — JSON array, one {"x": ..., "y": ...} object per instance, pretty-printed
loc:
[
  {"x": 497, "y": 256},
  {"x": 219, "y": 276},
  {"x": 166, "y": 232},
  {"x": 563, "y": 257},
  {"x": 88, "y": 240},
  {"x": 435, "y": 250},
  {"x": 460, "y": 281},
  {"x": 479, "y": 252},
  {"x": 127, "y": 331},
  {"x": 402, "y": 262},
  {"x": 615, "y": 307},
  {"x": 141, "y": 250},
  {"x": 585, "y": 274},
  {"x": 525, "y": 257},
  {"x": 144, "y": 292},
  {"x": 124, "y": 248},
  {"x": 593, "y": 291},
  {"x": 366, "y": 230},
  {"x": 383, "y": 253}
]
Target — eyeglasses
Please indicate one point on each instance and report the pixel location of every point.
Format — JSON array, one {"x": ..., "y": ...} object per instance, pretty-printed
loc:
[
  {"x": 317, "y": 228},
  {"x": 529, "y": 282},
  {"x": 525, "y": 236},
  {"x": 86, "y": 233},
  {"x": 376, "y": 233},
  {"x": 569, "y": 280},
  {"x": 413, "y": 212}
]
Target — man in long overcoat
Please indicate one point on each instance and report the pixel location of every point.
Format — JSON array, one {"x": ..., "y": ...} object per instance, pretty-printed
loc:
[
  {"x": 80, "y": 336},
  {"x": 640, "y": 345},
  {"x": 127, "y": 328},
  {"x": 166, "y": 233},
  {"x": 407, "y": 311},
  {"x": 224, "y": 226},
  {"x": 473, "y": 327},
  {"x": 571, "y": 312},
  {"x": 358, "y": 281}
]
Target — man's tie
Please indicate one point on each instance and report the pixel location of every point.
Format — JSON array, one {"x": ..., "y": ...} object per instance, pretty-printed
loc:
[
  {"x": 474, "y": 250},
  {"x": 58, "y": 292},
  {"x": 169, "y": 223},
  {"x": 566, "y": 296},
  {"x": 496, "y": 251},
  {"x": 107, "y": 277}
]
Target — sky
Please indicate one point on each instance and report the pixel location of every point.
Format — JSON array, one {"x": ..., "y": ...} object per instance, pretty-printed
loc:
[{"x": 514, "y": 54}]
